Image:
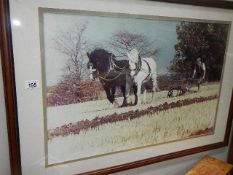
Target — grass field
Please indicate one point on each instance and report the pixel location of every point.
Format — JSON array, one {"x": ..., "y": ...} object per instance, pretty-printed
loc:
[{"x": 151, "y": 129}]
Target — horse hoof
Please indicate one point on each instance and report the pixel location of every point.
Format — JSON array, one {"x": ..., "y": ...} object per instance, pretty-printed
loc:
[
  {"x": 115, "y": 104},
  {"x": 129, "y": 100},
  {"x": 124, "y": 105}
]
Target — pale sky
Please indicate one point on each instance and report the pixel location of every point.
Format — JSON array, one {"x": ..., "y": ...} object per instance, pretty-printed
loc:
[{"x": 99, "y": 31}]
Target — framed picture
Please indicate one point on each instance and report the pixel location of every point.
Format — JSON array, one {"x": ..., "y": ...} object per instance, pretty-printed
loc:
[{"x": 97, "y": 87}]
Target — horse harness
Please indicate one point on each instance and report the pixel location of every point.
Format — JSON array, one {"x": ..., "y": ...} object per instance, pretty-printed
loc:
[
  {"x": 148, "y": 68},
  {"x": 139, "y": 66},
  {"x": 113, "y": 67}
]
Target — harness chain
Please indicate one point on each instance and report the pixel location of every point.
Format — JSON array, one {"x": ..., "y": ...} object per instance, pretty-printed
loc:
[
  {"x": 112, "y": 66},
  {"x": 115, "y": 65},
  {"x": 149, "y": 69},
  {"x": 110, "y": 79}
]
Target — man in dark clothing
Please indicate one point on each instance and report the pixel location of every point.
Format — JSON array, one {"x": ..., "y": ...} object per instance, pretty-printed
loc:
[{"x": 199, "y": 71}]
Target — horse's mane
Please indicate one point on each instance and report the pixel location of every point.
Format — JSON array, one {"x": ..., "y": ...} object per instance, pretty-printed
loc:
[
  {"x": 102, "y": 53},
  {"x": 101, "y": 56}
]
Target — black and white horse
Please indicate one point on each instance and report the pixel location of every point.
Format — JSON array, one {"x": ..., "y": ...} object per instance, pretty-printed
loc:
[
  {"x": 112, "y": 73},
  {"x": 142, "y": 70}
]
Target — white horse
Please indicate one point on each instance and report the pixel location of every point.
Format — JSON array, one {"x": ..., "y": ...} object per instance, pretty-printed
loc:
[{"x": 142, "y": 70}]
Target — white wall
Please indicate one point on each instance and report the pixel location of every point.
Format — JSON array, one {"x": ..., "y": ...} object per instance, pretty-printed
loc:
[{"x": 4, "y": 152}]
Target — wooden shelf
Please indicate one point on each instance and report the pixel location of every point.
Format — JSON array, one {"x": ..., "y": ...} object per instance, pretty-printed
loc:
[{"x": 211, "y": 166}]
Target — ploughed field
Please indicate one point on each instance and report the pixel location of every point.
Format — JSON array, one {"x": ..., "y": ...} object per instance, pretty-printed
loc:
[{"x": 95, "y": 128}]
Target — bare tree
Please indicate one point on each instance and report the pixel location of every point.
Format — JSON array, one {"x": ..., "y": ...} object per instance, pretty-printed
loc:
[
  {"x": 72, "y": 44},
  {"x": 123, "y": 41}
]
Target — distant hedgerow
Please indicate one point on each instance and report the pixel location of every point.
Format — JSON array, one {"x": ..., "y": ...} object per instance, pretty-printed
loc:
[{"x": 72, "y": 90}]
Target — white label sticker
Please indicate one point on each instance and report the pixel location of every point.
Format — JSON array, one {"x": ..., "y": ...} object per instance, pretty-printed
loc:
[{"x": 31, "y": 84}]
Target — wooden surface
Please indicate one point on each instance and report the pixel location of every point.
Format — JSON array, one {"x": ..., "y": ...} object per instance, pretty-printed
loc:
[{"x": 210, "y": 166}]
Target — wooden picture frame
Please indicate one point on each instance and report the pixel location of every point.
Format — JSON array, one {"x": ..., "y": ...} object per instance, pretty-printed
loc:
[
  {"x": 9, "y": 89},
  {"x": 230, "y": 152},
  {"x": 12, "y": 109}
]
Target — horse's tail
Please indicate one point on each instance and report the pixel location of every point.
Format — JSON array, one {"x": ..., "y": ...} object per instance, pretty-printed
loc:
[{"x": 153, "y": 69}]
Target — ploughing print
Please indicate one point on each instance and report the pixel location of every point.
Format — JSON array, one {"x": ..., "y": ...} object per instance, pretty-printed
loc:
[{"x": 119, "y": 82}]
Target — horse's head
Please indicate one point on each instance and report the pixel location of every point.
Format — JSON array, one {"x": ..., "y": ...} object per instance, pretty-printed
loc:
[
  {"x": 133, "y": 57},
  {"x": 92, "y": 67},
  {"x": 99, "y": 62}
]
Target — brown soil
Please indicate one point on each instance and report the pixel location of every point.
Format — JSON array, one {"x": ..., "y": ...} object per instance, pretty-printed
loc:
[{"x": 84, "y": 125}]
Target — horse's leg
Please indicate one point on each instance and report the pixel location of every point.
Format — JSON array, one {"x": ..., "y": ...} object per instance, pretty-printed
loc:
[
  {"x": 113, "y": 90},
  {"x": 128, "y": 85},
  {"x": 108, "y": 93},
  {"x": 139, "y": 86},
  {"x": 135, "y": 94},
  {"x": 155, "y": 86},
  {"x": 143, "y": 92},
  {"x": 144, "y": 96},
  {"x": 123, "y": 89}
]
